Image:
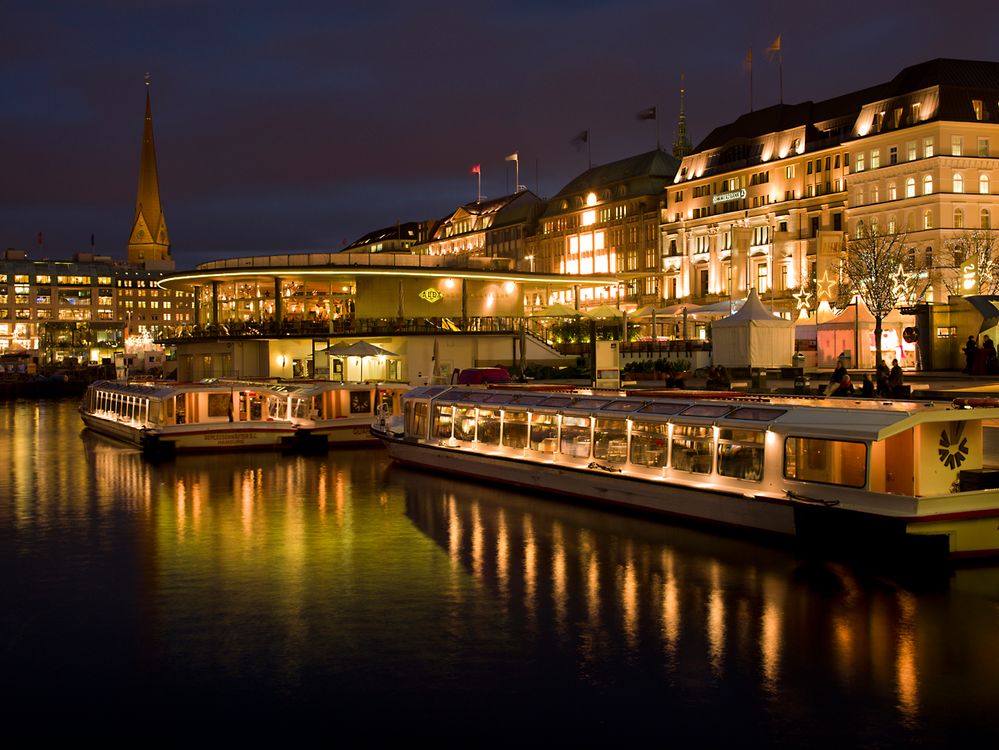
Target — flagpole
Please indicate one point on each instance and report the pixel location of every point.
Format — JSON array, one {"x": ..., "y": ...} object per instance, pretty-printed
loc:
[
  {"x": 478, "y": 196},
  {"x": 589, "y": 150},
  {"x": 516, "y": 172},
  {"x": 780, "y": 74},
  {"x": 659, "y": 143}
]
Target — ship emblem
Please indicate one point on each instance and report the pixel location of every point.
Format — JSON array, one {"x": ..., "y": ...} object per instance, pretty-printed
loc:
[
  {"x": 431, "y": 295},
  {"x": 953, "y": 448}
]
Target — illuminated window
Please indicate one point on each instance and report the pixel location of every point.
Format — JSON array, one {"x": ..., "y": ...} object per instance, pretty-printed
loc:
[
  {"x": 893, "y": 155},
  {"x": 875, "y": 158},
  {"x": 874, "y": 194},
  {"x": 825, "y": 461},
  {"x": 43, "y": 279},
  {"x": 976, "y": 105},
  {"x": 983, "y": 184},
  {"x": 892, "y": 226},
  {"x": 892, "y": 194},
  {"x": 910, "y": 188},
  {"x": 927, "y": 148},
  {"x": 958, "y": 218},
  {"x": 915, "y": 112},
  {"x": 958, "y": 183},
  {"x": 956, "y": 145},
  {"x": 983, "y": 146},
  {"x": 928, "y": 184},
  {"x": 762, "y": 278},
  {"x": 859, "y": 164},
  {"x": 927, "y": 220},
  {"x": 911, "y": 150}
]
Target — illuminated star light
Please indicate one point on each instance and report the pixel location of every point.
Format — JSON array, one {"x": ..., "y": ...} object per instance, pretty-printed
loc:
[
  {"x": 804, "y": 298},
  {"x": 900, "y": 288},
  {"x": 824, "y": 287}
]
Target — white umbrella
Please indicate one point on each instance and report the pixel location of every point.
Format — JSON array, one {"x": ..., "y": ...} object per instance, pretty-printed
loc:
[
  {"x": 605, "y": 311},
  {"x": 558, "y": 310}
]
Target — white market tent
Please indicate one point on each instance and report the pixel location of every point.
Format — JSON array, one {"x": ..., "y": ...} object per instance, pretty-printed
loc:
[
  {"x": 852, "y": 329},
  {"x": 752, "y": 337}
]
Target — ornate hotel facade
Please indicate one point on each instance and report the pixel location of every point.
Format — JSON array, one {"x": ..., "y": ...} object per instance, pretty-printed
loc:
[{"x": 770, "y": 201}]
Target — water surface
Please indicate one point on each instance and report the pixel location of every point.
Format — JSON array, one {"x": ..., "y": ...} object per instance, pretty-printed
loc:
[{"x": 339, "y": 596}]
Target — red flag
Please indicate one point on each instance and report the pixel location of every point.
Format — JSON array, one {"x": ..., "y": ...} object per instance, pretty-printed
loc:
[{"x": 477, "y": 169}]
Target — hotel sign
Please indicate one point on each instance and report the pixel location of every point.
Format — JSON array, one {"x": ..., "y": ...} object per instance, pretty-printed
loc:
[
  {"x": 431, "y": 295},
  {"x": 734, "y": 195}
]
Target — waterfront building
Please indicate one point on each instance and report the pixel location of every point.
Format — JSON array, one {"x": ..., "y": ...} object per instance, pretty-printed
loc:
[
  {"x": 396, "y": 238},
  {"x": 91, "y": 307},
  {"x": 486, "y": 233},
  {"x": 772, "y": 200},
  {"x": 606, "y": 221}
]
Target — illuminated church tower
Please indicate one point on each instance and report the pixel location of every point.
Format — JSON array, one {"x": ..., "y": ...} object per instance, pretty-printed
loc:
[{"x": 149, "y": 242}]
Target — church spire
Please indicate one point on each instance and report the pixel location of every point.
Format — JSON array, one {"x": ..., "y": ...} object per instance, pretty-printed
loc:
[
  {"x": 681, "y": 146},
  {"x": 149, "y": 242}
]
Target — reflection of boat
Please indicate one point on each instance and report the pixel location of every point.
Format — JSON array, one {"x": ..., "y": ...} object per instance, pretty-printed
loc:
[
  {"x": 879, "y": 477},
  {"x": 235, "y": 415}
]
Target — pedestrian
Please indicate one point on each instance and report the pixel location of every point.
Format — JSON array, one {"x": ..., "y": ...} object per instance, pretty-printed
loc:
[
  {"x": 881, "y": 374},
  {"x": 844, "y": 387},
  {"x": 895, "y": 380},
  {"x": 970, "y": 349},
  {"x": 990, "y": 355},
  {"x": 867, "y": 387},
  {"x": 837, "y": 377}
]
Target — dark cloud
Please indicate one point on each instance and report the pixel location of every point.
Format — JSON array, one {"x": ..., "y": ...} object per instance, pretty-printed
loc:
[{"x": 299, "y": 125}]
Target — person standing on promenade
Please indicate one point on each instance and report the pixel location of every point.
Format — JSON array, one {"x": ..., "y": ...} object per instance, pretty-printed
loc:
[
  {"x": 990, "y": 355},
  {"x": 881, "y": 374},
  {"x": 970, "y": 350},
  {"x": 895, "y": 380}
]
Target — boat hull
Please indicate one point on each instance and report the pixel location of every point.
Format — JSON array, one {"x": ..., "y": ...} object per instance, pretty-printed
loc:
[
  {"x": 705, "y": 505},
  {"x": 195, "y": 438}
]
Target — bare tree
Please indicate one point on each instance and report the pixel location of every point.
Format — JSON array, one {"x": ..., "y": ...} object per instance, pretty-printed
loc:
[
  {"x": 969, "y": 262},
  {"x": 876, "y": 268}
]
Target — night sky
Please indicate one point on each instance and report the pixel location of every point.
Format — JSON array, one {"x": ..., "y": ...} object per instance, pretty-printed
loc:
[{"x": 302, "y": 125}]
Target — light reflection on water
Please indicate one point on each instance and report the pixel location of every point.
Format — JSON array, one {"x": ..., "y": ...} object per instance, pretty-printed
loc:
[{"x": 340, "y": 586}]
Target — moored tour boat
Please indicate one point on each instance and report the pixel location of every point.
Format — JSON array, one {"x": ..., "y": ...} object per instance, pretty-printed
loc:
[
  {"x": 212, "y": 415},
  {"x": 880, "y": 477}
]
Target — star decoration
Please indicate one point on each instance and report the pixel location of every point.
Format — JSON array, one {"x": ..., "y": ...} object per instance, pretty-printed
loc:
[
  {"x": 824, "y": 287},
  {"x": 804, "y": 298},
  {"x": 900, "y": 287}
]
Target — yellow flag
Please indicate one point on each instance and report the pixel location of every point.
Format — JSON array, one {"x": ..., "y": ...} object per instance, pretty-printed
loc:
[{"x": 774, "y": 48}]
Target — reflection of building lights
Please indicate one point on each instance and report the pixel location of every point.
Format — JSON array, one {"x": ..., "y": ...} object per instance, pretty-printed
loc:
[
  {"x": 449, "y": 283},
  {"x": 509, "y": 286}
]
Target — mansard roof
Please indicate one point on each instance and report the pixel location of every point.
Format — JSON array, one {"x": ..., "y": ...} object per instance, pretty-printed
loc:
[{"x": 957, "y": 82}]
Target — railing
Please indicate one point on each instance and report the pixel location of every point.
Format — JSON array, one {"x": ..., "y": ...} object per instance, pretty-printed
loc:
[
  {"x": 344, "y": 327},
  {"x": 376, "y": 260}
]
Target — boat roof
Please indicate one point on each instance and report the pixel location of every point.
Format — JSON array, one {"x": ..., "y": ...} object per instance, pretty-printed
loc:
[
  {"x": 165, "y": 389},
  {"x": 833, "y": 418}
]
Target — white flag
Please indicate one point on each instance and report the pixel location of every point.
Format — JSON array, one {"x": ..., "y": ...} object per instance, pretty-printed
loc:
[{"x": 512, "y": 157}]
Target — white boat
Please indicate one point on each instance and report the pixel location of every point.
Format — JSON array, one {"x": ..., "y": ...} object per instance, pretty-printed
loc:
[
  {"x": 332, "y": 413},
  {"x": 860, "y": 475},
  {"x": 163, "y": 416},
  {"x": 213, "y": 415}
]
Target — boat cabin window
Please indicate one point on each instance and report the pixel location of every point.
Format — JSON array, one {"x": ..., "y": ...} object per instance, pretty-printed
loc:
[
  {"x": 219, "y": 404},
  {"x": 499, "y": 398},
  {"x": 575, "y": 437},
  {"x": 826, "y": 461},
  {"x": 464, "y": 422},
  {"x": 662, "y": 409},
  {"x": 276, "y": 408},
  {"x": 530, "y": 400},
  {"x": 441, "y": 420},
  {"x": 692, "y": 448},
  {"x": 590, "y": 403},
  {"x": 623, "y": 406},
  {"x": 757, "y": 414},
  {"x": 740, "y": 454},
  {"x": 488, "y": 427},
  {"x": 544, "y": 433},
  {"x": 706, "y": 410},
  {"x": 610, "y": 440},
  {"x": 416, "y": 418},
  {"x": 360, "y": 402},
  {"x": 515, "y": 429},
  {"x": 557, "y": 401},
  {"x": 181, "y": 409},
  {"x": 649, "y": 443}
]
